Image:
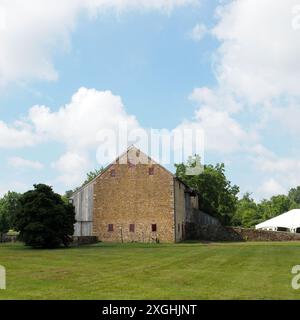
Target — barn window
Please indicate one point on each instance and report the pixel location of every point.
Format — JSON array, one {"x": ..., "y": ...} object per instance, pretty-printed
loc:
[
  {"x": 113, "y": 173},
  {"x": 154, "y": 228},
  {"x": 131, "y": 228},
  {"x": 110, "y": 228},
  {"x": 151, "y": 171}
]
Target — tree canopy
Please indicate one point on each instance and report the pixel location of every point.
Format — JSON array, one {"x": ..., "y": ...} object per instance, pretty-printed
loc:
[
  {"x": 217, "y": 196},
  {"x": 249, "y": 213},
  {"x": 44, "y": 219},
  {"x": 9, "y": 206}
]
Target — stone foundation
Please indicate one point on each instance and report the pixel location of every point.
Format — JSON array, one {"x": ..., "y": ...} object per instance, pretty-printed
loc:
[
  {"x": 220, "y": 233},
  {"x": 78, "y": 241}
]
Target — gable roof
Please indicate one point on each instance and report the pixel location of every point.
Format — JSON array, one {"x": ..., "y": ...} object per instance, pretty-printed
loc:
[{"x": 125, "y": 153}]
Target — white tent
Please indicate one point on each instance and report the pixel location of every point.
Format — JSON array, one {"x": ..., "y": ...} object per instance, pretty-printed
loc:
[{"x": 289, "y": 221}]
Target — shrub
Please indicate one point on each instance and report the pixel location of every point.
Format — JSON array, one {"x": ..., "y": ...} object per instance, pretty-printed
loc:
[{"x": 44, "y": 220}]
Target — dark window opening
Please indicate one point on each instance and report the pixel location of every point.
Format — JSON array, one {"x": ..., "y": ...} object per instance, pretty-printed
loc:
[
  {"x": 131, "y": 228},
  {"x": 298, "y": 230},
  {"x": 113, "y": 173},
  {"x": 110, "y": 228},
  {"x": 282, "y": 229},
  {"x": 151, "y": 171},
  {"x": 154, "y": 228}
]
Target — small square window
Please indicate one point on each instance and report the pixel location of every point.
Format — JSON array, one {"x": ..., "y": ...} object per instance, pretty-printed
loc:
[
  {"x": 110, "y": 228},
  {"x": 154, "y": 228},
  {"x": 131, "y": 228},
  {"x": 151, "y": 171},
  {"x": 113, "y": 173}
]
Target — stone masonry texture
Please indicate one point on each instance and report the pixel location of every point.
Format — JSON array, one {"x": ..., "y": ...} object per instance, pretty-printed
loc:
[
  {"x": 127, "y": 194},
  {"x": 220, "y": 233}
]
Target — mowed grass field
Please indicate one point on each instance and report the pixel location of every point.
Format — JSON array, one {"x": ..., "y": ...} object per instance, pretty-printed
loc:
[{"x": 152, "y": 271}]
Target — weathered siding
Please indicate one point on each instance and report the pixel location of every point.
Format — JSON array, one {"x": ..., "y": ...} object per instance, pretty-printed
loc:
[
  {"x": 179, "y": 210},
  {"x": 133, "y": 196},
  {"x": 186, "y": 206},
  {"x": 83, "y": 202},
  {"x": 206, "y": 219}
]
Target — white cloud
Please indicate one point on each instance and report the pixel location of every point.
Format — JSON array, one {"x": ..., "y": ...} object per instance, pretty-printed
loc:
[
  {"x": 259, "y": 53},
  {"x": 214, "y": 115},
  {"x": 17, "y": 135},
  {"x": 285, "y": 116},
  {"x": 280, "y": 173},
  {"x": 37, "y": 30},
  {"x": 19, "y": 162},
  {"x": 78, "y": 123},
  {"x": 17, "y": 186},
  {"x": 124, "y": 5},
  {"x": 72, "y": 168},
  {"x": 198, "y": 32},
  {"x": 222, "y": 134},
  {"x": 271, "y": 187},
  {"x": 215, "y": 99},
  {"x": 257, "y": 68},
  {"x": 80, "y": 126},
  {"x": 282, "y": 165}
]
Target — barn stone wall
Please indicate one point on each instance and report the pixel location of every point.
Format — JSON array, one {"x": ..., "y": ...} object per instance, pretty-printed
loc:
[
  {"x": 221, "y": 233},
  {"x": 126, "y": 194},
  {"x": 83, "y": 240}
]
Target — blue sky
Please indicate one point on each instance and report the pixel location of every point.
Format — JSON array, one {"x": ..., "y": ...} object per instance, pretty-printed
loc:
[{"x": 215, "y": 65}]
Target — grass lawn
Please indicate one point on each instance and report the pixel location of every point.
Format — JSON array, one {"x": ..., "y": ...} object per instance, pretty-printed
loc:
[{"x": 152, "y": 271}]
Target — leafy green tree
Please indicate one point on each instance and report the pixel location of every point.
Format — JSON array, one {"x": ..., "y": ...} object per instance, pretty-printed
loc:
[
  {"x": 216, "y": 194},
  {"x": 247, "y": 214},
  {"x": 9, "y": 206},
  {"x": 92, "y": 175},
  {"x": 274, "y": 207},
  {"x": 294, "y": 196},
  {"x": 44, "y": 220},
  {"x": 66, "y": 197},
  {"x": 4, "y": 225}
]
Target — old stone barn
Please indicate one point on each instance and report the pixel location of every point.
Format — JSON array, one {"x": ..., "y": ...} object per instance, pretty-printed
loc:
[{"x": 136, "y": 199}]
